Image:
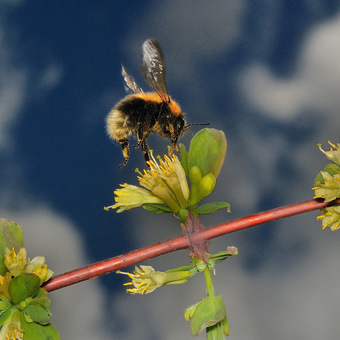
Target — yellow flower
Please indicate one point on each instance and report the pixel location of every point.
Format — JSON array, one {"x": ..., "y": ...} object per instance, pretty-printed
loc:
[
  {"x": 4, "y": 282},
  {"x": 333, "y": 155},
  {"x": 166, "y": 180},
  {"x": 163, "y": 183},
  {"x": 14, "y": 262},
  {"x": 146, "y": 279},
  {"x": 38, "y": 267},
  {"x": 330, "y": 188},
  {"x": 131, "y": 196},
  {"x": 11, "y": 329},
  {"x": 330, "y": 217},
  {"x": 19, "y": 263}
]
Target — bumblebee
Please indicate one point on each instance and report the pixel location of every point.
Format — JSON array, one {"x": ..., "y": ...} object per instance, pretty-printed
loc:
[{"x": 142, "y": 113}]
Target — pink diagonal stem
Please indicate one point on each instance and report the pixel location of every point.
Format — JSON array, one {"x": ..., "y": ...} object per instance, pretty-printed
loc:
[{"x": 139, "y": 255}]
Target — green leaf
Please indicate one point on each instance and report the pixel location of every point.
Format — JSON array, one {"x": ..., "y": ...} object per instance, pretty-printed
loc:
[
  {"x": 332, "y": 169},
  {"x": 42, "y": 299},
  {"x": 156, "y": 209},
  {"x": 11, "y": 237},
  {"x": 213, "y": 259},
  {"x": 215, "y": 332},
  {"x": 4, "y": 305},
  {"x": 209, "y": 208},
  {"x": 37, "y": 314},
  {"x": 207, "y": 313},
  {"x": 184, "y": 158},
  {"x": 34, "y": 331},
  {"x": 183, "y": 268},
  {"x": 225, "y": 326},
  {"x": 7, "y": 314},
  {"x": 207, "y": 151},
  {"x": 23, "y": 286},
  {"x": 183, "y": 215},
  {"x": 189, "y": 312}
]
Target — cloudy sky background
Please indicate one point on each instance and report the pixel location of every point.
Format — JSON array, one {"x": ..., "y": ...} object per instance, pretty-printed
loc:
[{"x": 268, "y": 74}]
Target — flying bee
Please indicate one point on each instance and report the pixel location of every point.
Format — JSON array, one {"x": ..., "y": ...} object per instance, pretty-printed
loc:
[{"x": 142, "y": 113}]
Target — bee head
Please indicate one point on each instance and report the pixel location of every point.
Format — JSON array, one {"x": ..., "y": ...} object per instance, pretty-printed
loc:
[{"x": 177, "y": 129}]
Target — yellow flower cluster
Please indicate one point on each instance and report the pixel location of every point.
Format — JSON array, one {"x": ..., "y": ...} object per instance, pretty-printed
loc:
[
  {"x": 330, "y": 218},
  {"x": 327, "y": 186},
  {"x": 18, "y": 263}
]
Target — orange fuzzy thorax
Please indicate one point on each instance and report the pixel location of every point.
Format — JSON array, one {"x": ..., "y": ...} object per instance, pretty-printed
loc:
[{"x": 155, "y": 97}]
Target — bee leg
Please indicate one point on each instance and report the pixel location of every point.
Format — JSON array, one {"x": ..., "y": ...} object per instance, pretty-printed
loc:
[
  {"x": 140, "y": 137},
  {"x": 140, "y": 141},
  {"x": 124, "y": 143},
  {"x": 137, "y": 145},
  {"x": 172, "y": 148},
  {"x": 145, "y": 149}
]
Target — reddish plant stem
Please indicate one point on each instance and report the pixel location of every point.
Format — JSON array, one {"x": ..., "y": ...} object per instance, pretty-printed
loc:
[
  {"x": 198, "y": 249},
  {"x": 139, "y": 255}
]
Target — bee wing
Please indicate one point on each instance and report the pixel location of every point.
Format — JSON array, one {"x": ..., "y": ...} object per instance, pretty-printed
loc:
[
  {"x": 153, "y": 67},
  {"x": 130, "y": 83}
]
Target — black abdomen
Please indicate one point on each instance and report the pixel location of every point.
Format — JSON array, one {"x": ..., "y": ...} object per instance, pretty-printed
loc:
[{"x": 143, "y": 112}]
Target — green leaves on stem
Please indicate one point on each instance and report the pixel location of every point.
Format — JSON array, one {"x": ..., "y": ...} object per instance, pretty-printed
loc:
[
  {"x": 24, "y": 306},
  {"x": 209, "y": 314}
]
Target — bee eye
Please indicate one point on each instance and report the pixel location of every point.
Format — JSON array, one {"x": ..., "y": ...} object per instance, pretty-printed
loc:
[{"x": 179, "y": 124}]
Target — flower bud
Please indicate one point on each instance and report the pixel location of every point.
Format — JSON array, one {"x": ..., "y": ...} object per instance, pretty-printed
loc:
[
  {"x": 202, "y": 189},
  {"x": 207, "y": 185},
  {"x": 195, "y": 174}
]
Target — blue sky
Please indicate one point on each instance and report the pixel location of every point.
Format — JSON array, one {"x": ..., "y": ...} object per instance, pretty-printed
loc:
[{"x": 266, "y": 73}]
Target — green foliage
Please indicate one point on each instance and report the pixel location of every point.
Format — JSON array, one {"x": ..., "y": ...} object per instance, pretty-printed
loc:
[
  {"x": 37, "y": 313},
  {"x": 331, "y": 169},
  {"x": 24, "y": 306},
  {"x": 206, "y": 313},
  {"x": 209, "y": 208},
  {"x": 207, "y": 151},
  {"x": 5, "y": 313},
  {"x": 156, "y": 209},
  {"x": 34, "y": 331},
  {"x": 184, "y": 158},
  {"x": 23, "y": 286},
  {"x": 10, "y": 237}
]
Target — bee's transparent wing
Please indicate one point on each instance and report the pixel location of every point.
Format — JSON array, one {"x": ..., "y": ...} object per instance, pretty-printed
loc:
[
  {"x": 130, "y": 83},
  {"x": 153, "y": 67}
]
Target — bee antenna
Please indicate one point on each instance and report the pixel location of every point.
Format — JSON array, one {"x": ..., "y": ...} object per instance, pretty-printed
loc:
[{"x": 186, "y": 126}]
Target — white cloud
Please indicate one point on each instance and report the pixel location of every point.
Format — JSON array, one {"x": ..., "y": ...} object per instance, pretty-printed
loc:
[
  {"x": 15, "y": 84},
  {"x": 12, "y": 97},
  {"x": 12, "y": 83},
  {"x": 283, "y": 99},
  {"x": 314, "y": 86},
  {"x": 49, "y": 77},
  {"x": 190, "y": 31}
]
